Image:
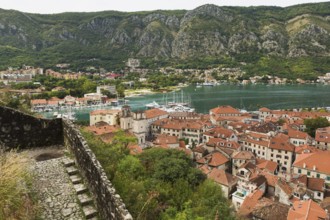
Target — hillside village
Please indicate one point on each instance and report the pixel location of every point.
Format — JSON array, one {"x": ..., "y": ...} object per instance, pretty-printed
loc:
[{"x": 264, "y": 161}]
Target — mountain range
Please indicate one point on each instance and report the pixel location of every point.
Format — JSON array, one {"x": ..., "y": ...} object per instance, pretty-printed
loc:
[{"x": 109, "y": 38}]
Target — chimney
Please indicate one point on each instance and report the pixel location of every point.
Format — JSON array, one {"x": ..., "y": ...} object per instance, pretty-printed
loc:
[
  {"x": 314, "y": 167},
  {"x": 304, "y": 165}
]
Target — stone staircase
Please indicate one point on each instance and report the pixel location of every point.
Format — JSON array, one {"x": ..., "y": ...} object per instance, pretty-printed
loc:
[{"x": 83, "y": 195}]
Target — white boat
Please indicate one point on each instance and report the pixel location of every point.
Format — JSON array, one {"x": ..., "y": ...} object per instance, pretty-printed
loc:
[
  {"x": 208, "y": 84},
  {"x": 153, "y": 104}
]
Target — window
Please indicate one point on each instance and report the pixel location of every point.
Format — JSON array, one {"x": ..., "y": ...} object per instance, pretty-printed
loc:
[
  {"x": 318, "y": 175},
  {"x": 328, "y": 178},
  {"x": 308, "y": 173},
  {"x": 318, "y": 194},
  {"x": 299, "y": 170}
]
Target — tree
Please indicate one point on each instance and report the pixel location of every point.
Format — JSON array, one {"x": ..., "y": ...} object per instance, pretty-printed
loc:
[{"x": 313, "y": 124}]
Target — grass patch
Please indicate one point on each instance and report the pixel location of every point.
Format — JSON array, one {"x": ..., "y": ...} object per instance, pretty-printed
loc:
[{"x": 16, "y": 197}]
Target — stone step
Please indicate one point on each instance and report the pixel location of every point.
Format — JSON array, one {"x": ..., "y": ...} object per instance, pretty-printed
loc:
[
  {"x": 75, "y": 179},
  {"x": 85, "y": 199},
  {"x": 89, "y": 212},
  {"x": 94, "y": 218},
  {"x": 72, "y": 170},
  {"x": 80, "y": 188},
  {"x": 68, "y": 162}
]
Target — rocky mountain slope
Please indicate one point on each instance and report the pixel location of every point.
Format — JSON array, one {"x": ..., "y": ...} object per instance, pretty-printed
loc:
[{"x": 207, "y": 31}]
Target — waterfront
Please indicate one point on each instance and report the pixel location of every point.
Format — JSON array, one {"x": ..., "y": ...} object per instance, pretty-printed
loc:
[{"x": 249, "y": 97}]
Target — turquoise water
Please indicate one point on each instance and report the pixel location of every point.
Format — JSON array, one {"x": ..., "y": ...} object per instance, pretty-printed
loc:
[{"x": 250, "y": 97}]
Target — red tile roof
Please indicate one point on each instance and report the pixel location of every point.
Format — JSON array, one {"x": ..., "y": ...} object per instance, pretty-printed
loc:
[
  {"x": 306, "y": 210},
  {"x": 100, "y": 130},
  {"x": 318, "y": 160},
  {"x": 213, "y": 159},
  {"x": 222, "y": 177},
  {"x": 305, "y": 149},
  {"x": 155, "y": 112},
  {"x": 316, "y": 184},
  {"x": 250, "y": 202},
  {"x": 164, "y": 139},
  {"x": 267, "y": 165},
  {"x": 323, "y": 135},
  {"x": 264, "y": 109},
  {"x": 245, "y": 155},
  {"x": 38, "y": 102},
  {"x": 292, "y": 133},
  {"x": 218, "y": 132},
  {"x": 280, "y": 142},
  {"x": 226, "y": 109},
  {"x": 285, "y": 187}
]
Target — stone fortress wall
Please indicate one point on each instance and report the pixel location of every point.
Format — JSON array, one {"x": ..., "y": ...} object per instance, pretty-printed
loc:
[
  {"x": 19, "y": 130},
  {"x": 22, "y": 131}
]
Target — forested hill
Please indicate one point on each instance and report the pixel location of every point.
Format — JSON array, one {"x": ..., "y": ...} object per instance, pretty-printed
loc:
[{"x": 208, "y": 33}]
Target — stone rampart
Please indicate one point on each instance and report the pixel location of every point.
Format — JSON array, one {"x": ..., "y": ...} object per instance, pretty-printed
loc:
[
  {"x": 19, "y": 130},
  {"x": 109, "y": 204}
]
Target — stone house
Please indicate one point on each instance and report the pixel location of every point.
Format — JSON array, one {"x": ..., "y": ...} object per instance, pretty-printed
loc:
[{"x": 225, "y": 180}]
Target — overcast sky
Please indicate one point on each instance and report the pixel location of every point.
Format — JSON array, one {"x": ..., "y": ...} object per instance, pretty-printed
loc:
[{"x": 57, "y": 6}]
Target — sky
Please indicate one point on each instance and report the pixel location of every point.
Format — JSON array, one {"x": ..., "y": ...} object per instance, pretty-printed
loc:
[{"x": 58, "y": 6}]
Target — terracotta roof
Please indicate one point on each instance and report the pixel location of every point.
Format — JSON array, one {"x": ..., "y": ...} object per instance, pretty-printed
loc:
[
  {"x": 250, "y": 202},
  {"x": 306, "y": 210},
  {"x": 292, "y": 133},
  {"x": 135, "y": 149},
  {"x": 199, "y": 149},
  {"x": 264, "y": 109},
  {"x": 182, "y": 144},
  {"x": 38, "y": 102},
  {"x": 54, "y": 99},
  {"x": 213, "y": 159},
  {"x": 219, "y": 132},
  {"x": 318, "y": 159},
  {"x": 285, "y": 187},
  {"x": 323, "y": 134},
  {"x": 226, "y": 109},
  {"x": 104, "y": 112},
  {"x": 265, "y": 127},
  {"x": 245, "y": 155},
  {"x": 100, "y": 130},
  {"x": 270, "y": 178},
  {"x": 267, "y": 165},
  {"x": 270, "y": 210},
  {"x": 204, "y": 168},
  {"x": 305, "y": 149},
  {"x": 280, "y": 142},
  {"x": 258, "y": 135},
  {"x": 164, "y": 139},
  {"x": 219, "y": 142},
  {"x": 155, "y": 112},
  {"x": 299, "y": 179},
  {"x": 261, "y": 142},
  {"x": 222, "y": 177},
  {"x": 315, "y": 184}
]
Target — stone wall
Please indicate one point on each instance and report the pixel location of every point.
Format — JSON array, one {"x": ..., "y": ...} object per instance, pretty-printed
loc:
[
  {"x": 19, "y": 130},
  {"x": 109, "y": 204}
]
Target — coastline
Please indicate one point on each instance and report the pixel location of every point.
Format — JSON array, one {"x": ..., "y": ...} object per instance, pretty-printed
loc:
[{"x": 129, "y": 93}]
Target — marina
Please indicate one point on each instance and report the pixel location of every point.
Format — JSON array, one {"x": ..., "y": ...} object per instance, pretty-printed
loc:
[{"x": 248, "y": 97}]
